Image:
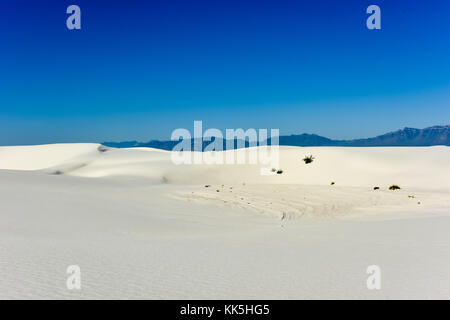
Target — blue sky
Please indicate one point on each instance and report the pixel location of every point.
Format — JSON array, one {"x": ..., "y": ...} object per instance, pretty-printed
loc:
[{"x": 139, "y": 69}]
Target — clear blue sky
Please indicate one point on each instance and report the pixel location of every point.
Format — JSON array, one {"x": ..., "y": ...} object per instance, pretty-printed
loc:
[{"x": 139, "y": 69}]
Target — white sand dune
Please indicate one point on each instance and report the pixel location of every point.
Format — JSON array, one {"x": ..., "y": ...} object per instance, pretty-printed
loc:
[
  {"x": 419, "y": 167},
  {"x": 140, "y": 226},
  {"x": 44, "y": 156}
]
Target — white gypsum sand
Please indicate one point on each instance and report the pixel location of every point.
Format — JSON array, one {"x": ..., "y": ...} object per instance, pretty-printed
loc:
[{"x": 141, "y": 227}]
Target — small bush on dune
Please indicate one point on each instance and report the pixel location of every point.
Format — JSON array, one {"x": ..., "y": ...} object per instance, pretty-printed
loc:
[
  {"x": 102, "y": 148},
  {"x": 308, "y": 159},
  {"x": 376, "y": 188},
  {"x": 279, "y": 171},
  {"x": 394, "y": 187}
]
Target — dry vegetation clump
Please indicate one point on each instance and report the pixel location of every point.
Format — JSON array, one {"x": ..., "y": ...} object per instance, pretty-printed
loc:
[{"x": 308, "y": 159}]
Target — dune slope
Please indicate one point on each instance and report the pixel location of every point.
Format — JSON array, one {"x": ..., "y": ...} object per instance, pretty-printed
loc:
[{"x": 141, "y": 227}]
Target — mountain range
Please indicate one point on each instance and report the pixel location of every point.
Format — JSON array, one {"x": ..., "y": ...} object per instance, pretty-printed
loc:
[{"x": 407, "y": 137}]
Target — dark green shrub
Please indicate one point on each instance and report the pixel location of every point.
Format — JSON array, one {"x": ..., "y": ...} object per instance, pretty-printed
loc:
[
  {"x": 394, "y": 187},
  {"x": 308, "y": 159}
]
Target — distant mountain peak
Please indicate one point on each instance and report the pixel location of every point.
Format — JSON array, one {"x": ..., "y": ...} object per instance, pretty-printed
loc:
[{"x": 431, "y": 136}]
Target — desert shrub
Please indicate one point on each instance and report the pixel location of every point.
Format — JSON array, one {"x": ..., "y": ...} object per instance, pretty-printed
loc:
[
  {"x": 376, "y": 188},
  {"x": 394, "y": 187},
  {"x": 279, "y": 171},
  {"x": 332, "y": 183},
  {"x": 102, "y": 148},
  {"x": 308, "y": 159}
]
